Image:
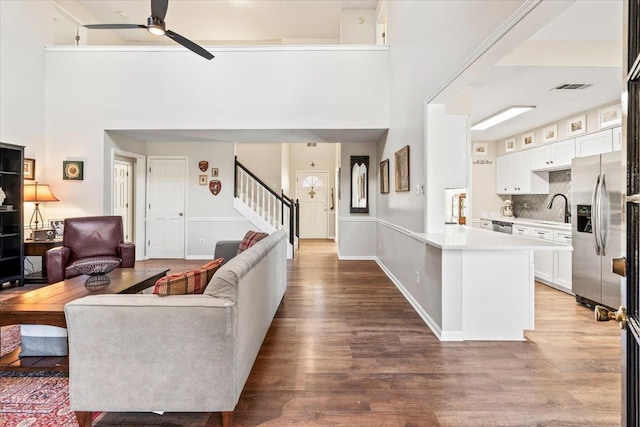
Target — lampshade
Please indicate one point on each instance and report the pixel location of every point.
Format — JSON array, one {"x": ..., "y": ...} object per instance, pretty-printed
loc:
[{"x": 38, "y": 193}]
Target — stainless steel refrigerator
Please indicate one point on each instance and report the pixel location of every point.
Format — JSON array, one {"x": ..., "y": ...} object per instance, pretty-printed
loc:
[{"x": 596, "y": 185}]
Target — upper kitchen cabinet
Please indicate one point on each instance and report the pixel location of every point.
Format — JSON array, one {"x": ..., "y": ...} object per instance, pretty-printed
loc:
[
  {"x": 617, "y": 139},
  {"x": 594, "y": 143},
  {"x": 514, "y": 175},
  {"x": 553, "y": 156}
]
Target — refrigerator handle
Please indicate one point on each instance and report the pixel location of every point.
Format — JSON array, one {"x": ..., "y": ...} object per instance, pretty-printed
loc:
[
  {"x": 594, "y": 216},
  {"x": 603, "y": 214}
]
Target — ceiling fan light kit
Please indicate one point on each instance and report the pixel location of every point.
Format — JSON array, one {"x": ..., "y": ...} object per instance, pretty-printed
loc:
[{"x": 156, "y": 26}]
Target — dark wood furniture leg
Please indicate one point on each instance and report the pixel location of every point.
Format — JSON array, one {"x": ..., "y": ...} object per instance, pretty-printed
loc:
[
  {"x": 227, "y": 418},
  {"x": 84, "y": 418}
]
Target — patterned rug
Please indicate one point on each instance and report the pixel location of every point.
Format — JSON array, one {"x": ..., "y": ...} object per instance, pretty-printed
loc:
[
  {"x": 10, "y": 339},
  {"x": 35, "y": 402}
]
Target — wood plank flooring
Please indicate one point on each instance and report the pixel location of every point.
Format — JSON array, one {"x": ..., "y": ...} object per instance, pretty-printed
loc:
[{"x": 346, "y": 349}]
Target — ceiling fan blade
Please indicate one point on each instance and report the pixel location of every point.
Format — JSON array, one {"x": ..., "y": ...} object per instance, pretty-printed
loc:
[
  {"x": 189, "y": 44},
  {"x": 113, "y": 26},
  {"x": 159, "y": 8}
]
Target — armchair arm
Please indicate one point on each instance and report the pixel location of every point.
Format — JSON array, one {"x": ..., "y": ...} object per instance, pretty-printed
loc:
[
  {"x": 56, "y": 260},
  {"x": 226, "y": 249},
  {"x": 135, "y": 353},
  {"x": 127, "y": 252}
]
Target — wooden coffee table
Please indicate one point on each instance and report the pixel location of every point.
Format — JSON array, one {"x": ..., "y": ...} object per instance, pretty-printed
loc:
[{"x": 45, "y": 306}]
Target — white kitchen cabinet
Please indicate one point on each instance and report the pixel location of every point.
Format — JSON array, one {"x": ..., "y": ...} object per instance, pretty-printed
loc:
[
  {"x": 552, "y": 268},
  {"x": 617, "y": 138},
  {"x": 543, "y": 260},
  {"x": 553, "y": 156},
  {"x": 561, "y": 153},
  {"x": 514, "y": 176},
  {"x": 562, "y": 261},
  {"x": 503, "y": 170},
  {"x": 594, "y": 143}
]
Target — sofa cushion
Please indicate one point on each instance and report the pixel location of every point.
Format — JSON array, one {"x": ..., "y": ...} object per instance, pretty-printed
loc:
[
  {"x": 250, "y": 239},
  {"x": 212, "y": 267},
  {"x": 43, "y": 340},
  {"x": 189, "y": 282}
]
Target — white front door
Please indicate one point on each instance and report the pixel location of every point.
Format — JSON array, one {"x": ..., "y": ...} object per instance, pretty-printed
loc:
[
  {"x": 123, "y": 196},
  {"x": 166, "y": 207},
  {"x": 311, "y": 191}
]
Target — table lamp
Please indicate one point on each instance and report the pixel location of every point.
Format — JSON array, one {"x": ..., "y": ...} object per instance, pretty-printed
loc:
[{"x": 38, "y": 193}]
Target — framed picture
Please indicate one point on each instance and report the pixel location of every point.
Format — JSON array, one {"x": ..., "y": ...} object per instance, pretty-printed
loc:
[
  {"x": 202, "y": 179},
  {"x": 402, "y": 169},
  {"x": 58, "y": 226},
  {"x": 528, "y": 140},
  {"x": 73, "y": 170},
  {"x": 550, "y": 133},
  {"x": 384, "y": 176},
  {"x": 29, "y": 169},
  {"x": 510, "y": 144},
  {"x": 480, "y": 148},
  {"x": 577, "y": 125},
  {"x": 610, "y": 116},
  {"x": 214, "y": 172}
]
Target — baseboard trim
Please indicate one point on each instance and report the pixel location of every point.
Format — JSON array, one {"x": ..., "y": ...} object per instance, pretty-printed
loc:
[{"x": 356, "y": 257}]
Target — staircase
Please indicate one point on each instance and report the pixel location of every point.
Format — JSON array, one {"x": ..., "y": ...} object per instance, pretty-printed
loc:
[{"x": 267, "y": 210}]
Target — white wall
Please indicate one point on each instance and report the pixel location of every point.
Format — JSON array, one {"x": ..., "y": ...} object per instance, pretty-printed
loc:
[
  {"x": 89, "y": 91},
  {"x": 24, "y": 32},
  {"x": 263, "y": 159}
]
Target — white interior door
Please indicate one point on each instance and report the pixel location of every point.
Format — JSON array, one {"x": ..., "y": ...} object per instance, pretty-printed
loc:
[
  {"x": 166, "y": 207},
  {"x": 312, "y": 193},
  {"x": 123, "y": 196}
]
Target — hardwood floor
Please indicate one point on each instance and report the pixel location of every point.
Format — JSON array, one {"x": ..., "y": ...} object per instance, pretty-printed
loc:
[{"x": 346, "y": 349}]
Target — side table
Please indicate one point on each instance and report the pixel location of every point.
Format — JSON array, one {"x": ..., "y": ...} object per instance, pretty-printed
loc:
[{"x": 33, "y": 248}]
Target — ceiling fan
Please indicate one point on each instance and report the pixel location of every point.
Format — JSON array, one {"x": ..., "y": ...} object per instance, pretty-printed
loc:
[{"x": 156, "y": 26}]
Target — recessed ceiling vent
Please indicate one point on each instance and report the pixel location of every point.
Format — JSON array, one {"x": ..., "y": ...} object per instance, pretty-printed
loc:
[{"x": 572, "y": 86}]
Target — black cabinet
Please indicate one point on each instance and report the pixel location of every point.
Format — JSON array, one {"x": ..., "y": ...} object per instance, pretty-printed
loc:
[{"x": 11, "y": 222}]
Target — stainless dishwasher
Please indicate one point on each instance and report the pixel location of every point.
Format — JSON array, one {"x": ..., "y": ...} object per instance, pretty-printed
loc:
[{"x": 502, "y": 227}]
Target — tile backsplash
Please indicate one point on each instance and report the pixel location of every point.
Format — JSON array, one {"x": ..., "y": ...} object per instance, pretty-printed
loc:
[{"x": 534, "y": 206}]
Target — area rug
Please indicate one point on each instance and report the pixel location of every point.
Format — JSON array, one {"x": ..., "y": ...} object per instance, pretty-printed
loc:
[
  {"x": 27, "y": 401},
  {"x": 10, "y": 337}
]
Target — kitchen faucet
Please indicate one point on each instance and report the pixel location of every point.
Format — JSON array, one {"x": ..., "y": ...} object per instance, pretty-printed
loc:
[{"x": 567, "y": 214}]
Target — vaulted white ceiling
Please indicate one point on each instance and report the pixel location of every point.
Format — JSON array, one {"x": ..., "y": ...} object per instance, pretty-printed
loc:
[{"x": 581, "y": 45}]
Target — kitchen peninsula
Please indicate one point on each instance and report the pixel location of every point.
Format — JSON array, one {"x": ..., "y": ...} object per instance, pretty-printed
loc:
[{"x": 486, "y": 283}]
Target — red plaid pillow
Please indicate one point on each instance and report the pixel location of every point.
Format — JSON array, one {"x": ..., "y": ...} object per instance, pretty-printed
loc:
[
  {"x": 250, "y": 239},
  {"x": 189, "y": 282},
  {"x": 212, "y": 267}
]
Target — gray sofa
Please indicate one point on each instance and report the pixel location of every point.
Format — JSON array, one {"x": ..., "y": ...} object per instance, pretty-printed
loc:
[{"x": 179, "y": 353}]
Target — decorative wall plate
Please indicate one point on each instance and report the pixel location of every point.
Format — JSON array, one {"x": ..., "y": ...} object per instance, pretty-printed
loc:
[
  {"x": 203, "y": 165},
  {"x": 73, "y": 170},
  {"x": 215, "y": 186}
]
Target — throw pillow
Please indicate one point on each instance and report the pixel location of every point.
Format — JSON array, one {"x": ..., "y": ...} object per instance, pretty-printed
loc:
[
  {"x": 250, "y": 239},
  {"x": 212, "y": 267},
  {"x": 189, "y": 282}
]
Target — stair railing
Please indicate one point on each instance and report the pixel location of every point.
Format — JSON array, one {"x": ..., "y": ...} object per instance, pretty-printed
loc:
[{"x": 277, "y": 209}]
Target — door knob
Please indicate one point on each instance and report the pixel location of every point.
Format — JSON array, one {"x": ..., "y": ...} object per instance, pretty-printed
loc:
[
  {"x": 619, "y": 266},
  {"x": 181, "y": 214},
  {"x": 604, "y": 315}
]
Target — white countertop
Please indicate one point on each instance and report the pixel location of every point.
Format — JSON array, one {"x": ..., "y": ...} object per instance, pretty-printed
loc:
[
  {"x": 530, "y": 222},
  {"x": 473, "y": 238}
]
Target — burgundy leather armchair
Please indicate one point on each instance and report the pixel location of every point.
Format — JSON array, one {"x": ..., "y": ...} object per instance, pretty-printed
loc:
[{"x": 88, "y": 237}]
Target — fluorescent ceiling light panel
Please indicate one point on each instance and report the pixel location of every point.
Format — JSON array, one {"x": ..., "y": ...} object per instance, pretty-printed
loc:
[{"x": 502, "y": 116}]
